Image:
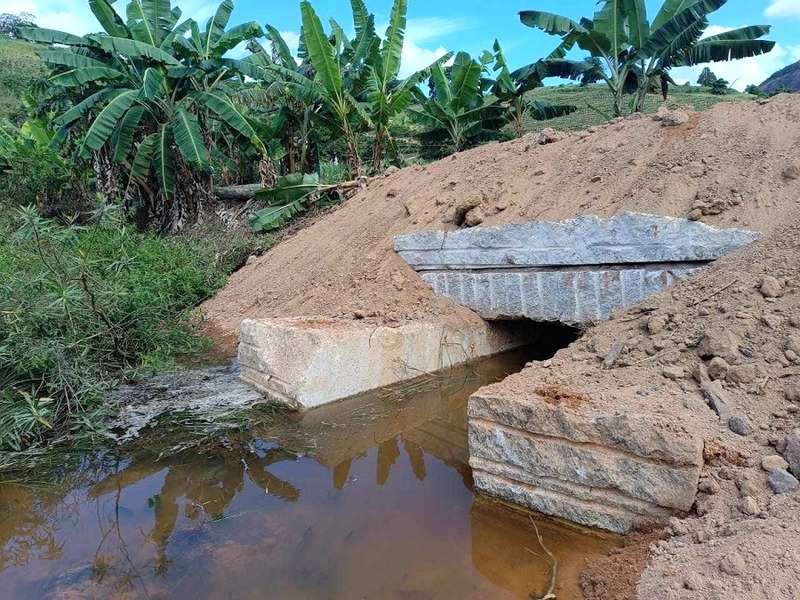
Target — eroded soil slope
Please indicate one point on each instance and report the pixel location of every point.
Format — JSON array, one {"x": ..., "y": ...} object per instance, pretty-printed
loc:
[
  {"x": 736, "y": 323},
  {"x": 725, "y": 164}
]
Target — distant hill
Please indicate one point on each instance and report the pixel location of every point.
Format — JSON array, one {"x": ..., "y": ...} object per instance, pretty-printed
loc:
[
  {"x": 787, "y": 78},
  {"x": 19, "y": 67}
]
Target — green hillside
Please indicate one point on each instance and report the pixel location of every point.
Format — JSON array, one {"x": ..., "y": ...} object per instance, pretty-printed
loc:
[
  {"x": 594, "y": 103},
  {"x": 787, "y": 78},
  {"x": 19, "y": 66}
]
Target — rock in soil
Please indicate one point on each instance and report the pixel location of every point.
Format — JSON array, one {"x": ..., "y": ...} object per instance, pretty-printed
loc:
[
  {"x": 718, "y": 368},
  {"x": 792, "y": 452},
  {"x": 782, "y": 481},
  {"x": 732, "y": 564},
  {"x": 774, "y": 463},
  {"x": 771, "y": 287},
  {"x": 740, "y": 424}
]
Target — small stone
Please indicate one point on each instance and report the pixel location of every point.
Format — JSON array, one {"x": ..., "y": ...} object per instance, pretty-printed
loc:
[
  {"x": 771, "y": 287},
  {"x": 771, "y": 321},
  {"x": 708, "y": 486},
  {"x": 790, "y": 355},
  {"x": 597, "y": 179},
  {"x": 695, "y": 214},
  {"x": 792, "y": 392},
  {"x": 250, "y": 260},
  {"x": 548, "y": 135},
  {"x": 774, "y": 462},
  {"x": 474, "y": 217},
  {"x": 782, "y": 481},
  {"x": 732, "y": 564},
  {"x": 719, "y": 342},
  {"x": 749, "y": 506},
  {"x": 742, "y": 373},
  {"x": 792, "y": 172},
  {"x": 674, "y": 118},
  {"x": 791, "y": 452},
  {"x": 794, "y": 320},
  {"x": 740, "y": 425},
  {"x": 538, "y": 173},
  {"x": 674, "y": 373},
  {"x": 718, "y": 368},
  {"x": 656, "y": 324}
]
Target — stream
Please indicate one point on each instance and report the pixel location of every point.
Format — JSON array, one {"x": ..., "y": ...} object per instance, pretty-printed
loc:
[{"x": 370, "y": 497}]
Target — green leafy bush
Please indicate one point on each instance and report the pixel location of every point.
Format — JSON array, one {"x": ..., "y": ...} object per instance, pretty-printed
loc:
[
  {"x": 34, "y": 171},
  {"x": 83, "y": 307}
]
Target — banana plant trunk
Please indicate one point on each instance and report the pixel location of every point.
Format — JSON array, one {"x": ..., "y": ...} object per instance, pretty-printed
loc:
[
  {"x": 353, "y": 159},
  {"x": 378, "y": 151},
  {"x": 106, "y": 179}
]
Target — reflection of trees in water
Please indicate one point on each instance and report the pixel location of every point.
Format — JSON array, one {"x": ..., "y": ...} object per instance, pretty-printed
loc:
[
  {"x": 445, "y": 439},
  {"x": 28, "y": 528},
  {"x": 30, "y": 514},
  {"x": 209, "y": 484}
]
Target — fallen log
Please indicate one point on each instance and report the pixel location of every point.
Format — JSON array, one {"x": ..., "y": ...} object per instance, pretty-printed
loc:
[{"x": 238, "y": 192}]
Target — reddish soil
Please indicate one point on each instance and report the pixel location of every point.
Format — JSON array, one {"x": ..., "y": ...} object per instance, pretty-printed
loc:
[{"x": 735, "y": 165}]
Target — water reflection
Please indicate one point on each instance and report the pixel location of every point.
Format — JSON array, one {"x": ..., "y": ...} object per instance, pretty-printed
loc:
[{"x": 370, "y": 498}]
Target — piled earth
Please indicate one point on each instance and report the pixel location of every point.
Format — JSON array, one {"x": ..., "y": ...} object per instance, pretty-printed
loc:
[{"x": 729, "y": 334}]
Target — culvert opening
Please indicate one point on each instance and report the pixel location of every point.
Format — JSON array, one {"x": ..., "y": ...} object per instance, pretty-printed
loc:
[{"x": 542, "y": 339}]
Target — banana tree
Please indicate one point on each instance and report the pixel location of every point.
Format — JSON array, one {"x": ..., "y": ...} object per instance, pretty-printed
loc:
[
  {"x": 386, "y": 96},
  {"x": 633, "y": 53},
  {"x": 330, "y": 82},
  {"x": 512, "y": 90},
  {"x": 458, "y": 109},
  {"x": 148, "y": 93},
  {"x": 288, "y": 99}
]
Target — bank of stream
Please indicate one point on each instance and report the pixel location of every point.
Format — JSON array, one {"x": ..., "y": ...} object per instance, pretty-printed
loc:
[{"x": 367, "y": 498}]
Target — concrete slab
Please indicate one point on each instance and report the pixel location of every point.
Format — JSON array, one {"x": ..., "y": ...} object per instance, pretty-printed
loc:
[
  {"x": 598, "y": 465},
  {"x": 307, "y": 362},
  {"x": 576, "y": 271},
  {"x": 630, "y": 238}
]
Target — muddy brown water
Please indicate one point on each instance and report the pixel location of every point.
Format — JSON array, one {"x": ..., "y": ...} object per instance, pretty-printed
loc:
[{"x": 368, "y": 498}]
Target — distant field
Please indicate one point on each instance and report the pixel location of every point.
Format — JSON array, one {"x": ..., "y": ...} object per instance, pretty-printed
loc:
[
  {"x": 19, "y": 66},
  {"x": 593, "y": 100}
]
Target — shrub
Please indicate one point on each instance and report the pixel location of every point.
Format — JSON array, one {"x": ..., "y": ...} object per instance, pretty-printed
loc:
[
  {"x": 33, "y": 171},
  {"x": 83, "y": 307}
]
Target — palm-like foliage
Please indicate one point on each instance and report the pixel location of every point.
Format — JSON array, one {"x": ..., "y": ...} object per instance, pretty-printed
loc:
[
  {"x": 458, "y": 109},
  {"x": 386, "y": 96},
  {"x": 633, "y": 53},
  {"x": 149, "y": 93},
  {"x": 334, "y": 79},
  {"x": 512, "y": 90}
]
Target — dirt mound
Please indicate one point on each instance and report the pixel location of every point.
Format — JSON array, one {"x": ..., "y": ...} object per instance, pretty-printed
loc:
[
  {"x": 735, "y": 324},
  {"x": 724, "y": 166}
]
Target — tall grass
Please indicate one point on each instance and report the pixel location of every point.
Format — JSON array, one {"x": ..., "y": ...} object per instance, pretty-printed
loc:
[{"x": 83, "y": 307}]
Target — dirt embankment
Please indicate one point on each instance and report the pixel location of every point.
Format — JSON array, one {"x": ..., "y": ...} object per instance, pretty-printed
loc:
[
  {"x": 736, "y": 323},
  {"x": 726, "y": 164}
]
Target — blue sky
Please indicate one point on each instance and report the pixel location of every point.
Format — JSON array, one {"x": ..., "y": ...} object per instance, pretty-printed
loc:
[{"x": 471, "y": 25}]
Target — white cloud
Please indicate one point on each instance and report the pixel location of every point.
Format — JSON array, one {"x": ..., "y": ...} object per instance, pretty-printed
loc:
[
  {"x": 783, "y": 9},
  {"x": 75, "y": 16},
  {"x": 415, "y": 58},
  {"x": 423, "y": 30},
  {"x": 744, "y": 72},
  {"x": 416, "y": 54}
]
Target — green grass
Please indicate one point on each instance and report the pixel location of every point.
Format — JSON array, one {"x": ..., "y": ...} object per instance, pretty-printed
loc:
[
  {"x": 19, "y": 67},
  {"x": 595, "y": 104}
]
